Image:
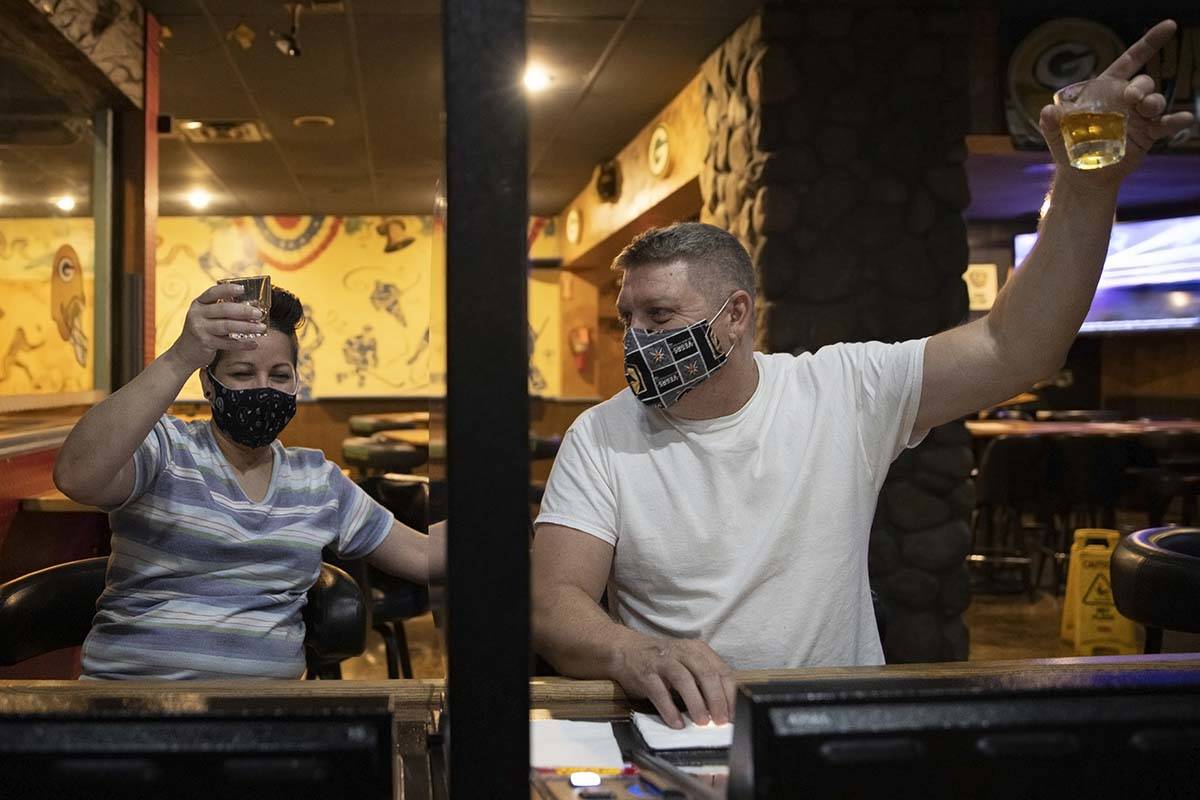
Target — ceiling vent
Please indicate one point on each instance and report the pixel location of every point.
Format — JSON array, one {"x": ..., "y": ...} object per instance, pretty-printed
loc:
[
  {"x": 326, "y": 7},
  {"x": 226, "y": 132},
  {"x": 19, "y": 130}
]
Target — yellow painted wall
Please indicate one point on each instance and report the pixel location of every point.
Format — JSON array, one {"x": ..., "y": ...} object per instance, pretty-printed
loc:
[
  {"x": 46, "y": 306},
  {"x": 545, "y": 325},
  {"x": 368, "y": 285},
  {"x": 643, "y": 196}
]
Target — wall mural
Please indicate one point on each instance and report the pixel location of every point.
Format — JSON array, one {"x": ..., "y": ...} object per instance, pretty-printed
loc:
[
  {"x": 366, "y": 285},
  {"x": 46, "y": 315}
]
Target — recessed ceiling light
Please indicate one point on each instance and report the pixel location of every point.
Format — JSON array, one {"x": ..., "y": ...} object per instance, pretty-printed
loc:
[
  {"x": 191, "y": 125},
  {"x": 199, "y": 199},
  {"x": 536, "y": 78},
  {"x": 64, "y": 203},
  {"x": 313, "y": 121}
]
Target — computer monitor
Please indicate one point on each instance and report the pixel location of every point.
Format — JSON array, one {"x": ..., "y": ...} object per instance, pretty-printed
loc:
[
  {"x": 1021, "y": 735},
  {"x": 1151, "y": 277},
  {"x": 296, "y": 750}
]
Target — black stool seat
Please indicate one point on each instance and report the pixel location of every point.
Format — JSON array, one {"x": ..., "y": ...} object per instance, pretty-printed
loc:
[
  {"x": 394, "y": 599},
  {"x": 371, "y": 455},
  {"x": 53, "y": 608},
  {"x": 49, "y": 609},
  {"x": 367, "y": 424},
  {"x": 1156, "y": 578},
  {"x": 407, "y": 497}
]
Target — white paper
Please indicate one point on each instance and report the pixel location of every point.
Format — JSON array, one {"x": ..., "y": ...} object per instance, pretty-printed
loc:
[
  {"x": 659, "y": 736},
  {"x": 560, "y": 743}
]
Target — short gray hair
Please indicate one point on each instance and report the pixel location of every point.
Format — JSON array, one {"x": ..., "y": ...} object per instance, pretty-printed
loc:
[{"x": 717, "y": 263}]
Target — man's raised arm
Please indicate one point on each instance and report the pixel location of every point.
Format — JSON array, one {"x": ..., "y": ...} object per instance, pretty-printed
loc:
[{"x": 1036, "y": 317}]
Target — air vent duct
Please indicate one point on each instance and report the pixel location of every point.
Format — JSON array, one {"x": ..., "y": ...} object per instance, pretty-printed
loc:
[{"x": 226, "y": 132}]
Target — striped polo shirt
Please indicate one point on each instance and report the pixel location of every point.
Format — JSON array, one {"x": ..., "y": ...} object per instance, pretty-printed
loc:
[{"x": 204, "y": 582}]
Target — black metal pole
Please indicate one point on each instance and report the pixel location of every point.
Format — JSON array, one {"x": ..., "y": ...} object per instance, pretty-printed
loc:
[{"x": 487, "y": 403}]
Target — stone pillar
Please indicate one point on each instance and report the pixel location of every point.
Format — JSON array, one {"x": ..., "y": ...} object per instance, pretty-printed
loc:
[{"x": 836, "y": 156}]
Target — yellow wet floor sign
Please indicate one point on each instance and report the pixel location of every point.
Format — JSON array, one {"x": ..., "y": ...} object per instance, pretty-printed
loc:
[{"x": 1090, "y": 620}]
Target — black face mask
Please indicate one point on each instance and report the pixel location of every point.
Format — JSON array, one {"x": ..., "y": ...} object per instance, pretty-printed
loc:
[
  {"x": 251, "y": 417},
  {"x": 663, "y": 366}
]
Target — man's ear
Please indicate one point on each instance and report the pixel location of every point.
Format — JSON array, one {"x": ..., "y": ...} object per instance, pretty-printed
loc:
[{"x": 741, "y": 305}]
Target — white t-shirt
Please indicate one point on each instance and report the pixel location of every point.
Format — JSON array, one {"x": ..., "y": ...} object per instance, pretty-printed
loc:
[{"x": 748, "y": 531}]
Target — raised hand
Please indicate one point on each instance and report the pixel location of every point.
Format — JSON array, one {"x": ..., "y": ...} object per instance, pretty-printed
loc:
[
  {"x": 210, "y": 319},
  {"x": 1145, "y": 123}
]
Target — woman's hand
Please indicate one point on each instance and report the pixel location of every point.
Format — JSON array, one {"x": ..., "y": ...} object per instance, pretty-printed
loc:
[{"x": 210, "y": 319}]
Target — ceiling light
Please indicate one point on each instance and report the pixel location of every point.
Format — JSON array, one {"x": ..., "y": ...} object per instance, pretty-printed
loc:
[
  {"x": 536, "y": 78},
  {"x": 64, "y": 203},
  {"x": 313, "y": 121},
  {"x": 199, "y": 199},
  {"x": 191, "y": 125},
  {"x": 289, "y": 43}
]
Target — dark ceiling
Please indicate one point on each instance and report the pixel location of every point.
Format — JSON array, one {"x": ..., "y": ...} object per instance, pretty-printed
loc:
[{"x": 376, "y": 68}]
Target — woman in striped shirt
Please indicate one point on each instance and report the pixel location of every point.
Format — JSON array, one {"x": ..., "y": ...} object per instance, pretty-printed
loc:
[{"x": 217, "y": 527}]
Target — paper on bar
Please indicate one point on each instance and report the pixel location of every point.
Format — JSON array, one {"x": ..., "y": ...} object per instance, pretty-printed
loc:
[
  {"x": 560, "y": 743},
  {"x": 659, "y": 736}
]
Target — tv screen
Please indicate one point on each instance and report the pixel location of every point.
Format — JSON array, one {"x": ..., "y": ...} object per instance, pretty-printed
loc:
[{"x": 1151, "y": 278}]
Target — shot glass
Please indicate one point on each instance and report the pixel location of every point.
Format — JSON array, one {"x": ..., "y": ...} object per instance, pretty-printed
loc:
[
  {"x": 257, "y": 294},
  {"x": 1093, "y": 122}
]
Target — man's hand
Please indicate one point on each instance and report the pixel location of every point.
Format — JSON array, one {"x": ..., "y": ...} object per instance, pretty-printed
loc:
[
  {"x": 1145, "y": 122},
  {"x": 652, "y": 668}
]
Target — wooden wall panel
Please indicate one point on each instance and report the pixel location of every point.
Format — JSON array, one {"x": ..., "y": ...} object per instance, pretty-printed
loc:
[{"x": 1158, "y": 365}]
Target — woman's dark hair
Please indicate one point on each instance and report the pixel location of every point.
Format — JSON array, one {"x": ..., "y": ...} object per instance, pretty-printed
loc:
[{"x": 286, "y": 316}]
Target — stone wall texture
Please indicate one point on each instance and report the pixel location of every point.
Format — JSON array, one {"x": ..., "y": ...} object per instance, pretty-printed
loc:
[{"x": 836, "y": 156}]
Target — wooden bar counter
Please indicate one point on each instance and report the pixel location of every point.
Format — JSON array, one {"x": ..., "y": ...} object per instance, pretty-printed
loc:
[
  {"x": 415, "y": 705},
  {"x": 556, "y": 695},
  {"x": 986, "y": 429}
]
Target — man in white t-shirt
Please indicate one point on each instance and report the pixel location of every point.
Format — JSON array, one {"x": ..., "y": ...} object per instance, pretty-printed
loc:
[{"x": 725, "y": 500}]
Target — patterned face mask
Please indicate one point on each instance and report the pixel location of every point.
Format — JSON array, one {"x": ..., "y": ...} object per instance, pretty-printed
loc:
[
  {"x": 663, "y": 366},
  {"x": 251, "y": 417}
]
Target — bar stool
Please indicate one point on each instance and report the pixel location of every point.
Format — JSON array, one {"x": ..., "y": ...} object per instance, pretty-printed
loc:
[
  {"x": 369, "y": 424},
  {"x": 1168, "y": 471},
  {"x": 393, "y": 600},
  {"x": 1087, "y": 473},
  {"x": 1178, "y": 451},
  {"x": 370, "y": 455},
  {"x": 1156, "y": 581},
  {"x": 1013, "y": 480},
  {"x": 53, "y": 608}
]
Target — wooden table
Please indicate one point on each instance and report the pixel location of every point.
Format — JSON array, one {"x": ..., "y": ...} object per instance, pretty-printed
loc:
[{"x": 986, "y": 429}]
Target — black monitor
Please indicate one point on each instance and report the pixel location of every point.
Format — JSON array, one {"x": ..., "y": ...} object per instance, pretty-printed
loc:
[
  {"x": 1106, "y": 734},
  {"x": 296, "y": 750}
]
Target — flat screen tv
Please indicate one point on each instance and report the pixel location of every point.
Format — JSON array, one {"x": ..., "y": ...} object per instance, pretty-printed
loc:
[{"x": 1151, "y": 278}]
